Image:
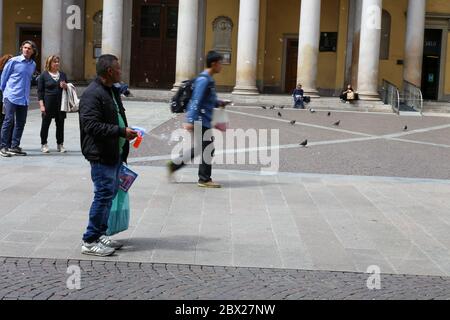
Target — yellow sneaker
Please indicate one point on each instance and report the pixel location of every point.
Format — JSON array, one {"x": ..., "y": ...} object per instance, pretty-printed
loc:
[{"x": 210, "y": 184}]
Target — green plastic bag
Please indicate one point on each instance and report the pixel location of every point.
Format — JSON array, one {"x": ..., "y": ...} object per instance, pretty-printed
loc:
[{"x": 119, "y": 217}]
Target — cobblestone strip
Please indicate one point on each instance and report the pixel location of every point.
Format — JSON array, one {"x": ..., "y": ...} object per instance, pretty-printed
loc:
[{"x": 46, "y": 279}]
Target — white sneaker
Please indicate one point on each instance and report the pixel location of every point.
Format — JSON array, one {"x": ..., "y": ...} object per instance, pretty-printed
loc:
[
  {"x": 96, "y": 249},
  {"x": 61, "y": 148},
  {"x": 45, "y": 149},
  {"x": 110, "y": 243}
]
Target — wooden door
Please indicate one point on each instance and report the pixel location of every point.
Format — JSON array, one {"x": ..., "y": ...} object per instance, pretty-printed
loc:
[
  {"x": 154, "y": 43},
  {"x": 34, "y": 34},
  {"x": 291, "y": 65}
]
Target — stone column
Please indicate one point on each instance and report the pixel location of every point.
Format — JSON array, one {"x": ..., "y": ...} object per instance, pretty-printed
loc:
[
  {"x": 369, "y": 51},
  {"x": 308, "y": 46},
  {"x": 187, "y": 41},
  {"x": 201, "y": 36},
  {"x": 415, "y": 33},
  {"x": 52, "y": 18},
  {"x": 112, "y": 30},
  {"x": 247, "y": 51},
  {"x": 73, "y": 39}
]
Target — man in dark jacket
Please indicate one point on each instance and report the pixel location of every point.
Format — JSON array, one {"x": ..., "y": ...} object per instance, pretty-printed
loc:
[{"x": 105, "y": 144}]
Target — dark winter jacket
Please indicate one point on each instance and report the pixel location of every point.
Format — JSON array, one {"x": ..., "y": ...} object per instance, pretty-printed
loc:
[{"x": 99, "y": 125}]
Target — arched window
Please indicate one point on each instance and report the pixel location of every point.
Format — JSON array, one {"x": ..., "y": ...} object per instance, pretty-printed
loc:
[
  {"x": 98, "y": 23},
  {"x": 385, "y": 35}
]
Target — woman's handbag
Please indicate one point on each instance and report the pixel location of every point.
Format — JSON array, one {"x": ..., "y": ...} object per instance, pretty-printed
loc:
[{"x": 351, "y": 95}]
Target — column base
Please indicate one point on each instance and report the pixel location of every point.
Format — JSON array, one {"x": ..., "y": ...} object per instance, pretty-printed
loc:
[
  {"x": 313, "y": 93},
  {"x": 369, "y": 96},
  {"x": 246, "y": 91}
]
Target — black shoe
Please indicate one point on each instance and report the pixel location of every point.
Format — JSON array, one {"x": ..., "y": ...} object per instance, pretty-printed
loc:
[
  {"x": 170, "y": 171},
  {"x": 17, "y": 152},
  {"x": 4, "y": 153}
]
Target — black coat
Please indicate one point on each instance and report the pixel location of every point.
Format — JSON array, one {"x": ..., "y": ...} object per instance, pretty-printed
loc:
[
  {"x": 99, "y": 124},
  {"x": 50, "y": 92}
]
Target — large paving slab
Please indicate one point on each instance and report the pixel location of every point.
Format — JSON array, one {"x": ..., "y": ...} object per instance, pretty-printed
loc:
[
  {"x": 337, "y": 217},
  {"x": 291, "y": 221}
]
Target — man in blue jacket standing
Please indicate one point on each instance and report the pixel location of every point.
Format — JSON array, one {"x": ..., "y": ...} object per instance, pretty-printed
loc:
[
  {"x": 16, "y": 87},
  {"x": 200, "y": 111}
]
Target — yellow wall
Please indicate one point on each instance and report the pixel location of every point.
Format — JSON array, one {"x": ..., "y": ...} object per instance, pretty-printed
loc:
[
  {"x": 229, "y": 8},
  {"x": 329, "y": 22},
  {"x": 441, "y": 6},
  {"x": 92, "y": 7},
  {"x": 342, "y": 43},
  {"x": 282, "y": 20},
  {"x": 389, "y": 69},
  {"x": 18, "y": 12}
]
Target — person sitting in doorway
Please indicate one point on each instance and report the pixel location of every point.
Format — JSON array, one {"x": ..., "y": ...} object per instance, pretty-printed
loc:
[
  {"x": 349, "y": 95},
  {"x": 298, "y": 97}
]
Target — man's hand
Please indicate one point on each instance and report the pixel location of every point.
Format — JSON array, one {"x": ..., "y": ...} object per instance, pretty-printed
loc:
[
  {"x": 131, "y": 134},
  {"x": 42, "y": 108},
  {"x": 188, "y": 126}
]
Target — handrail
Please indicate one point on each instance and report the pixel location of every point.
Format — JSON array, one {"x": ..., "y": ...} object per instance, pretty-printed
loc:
[
  {"x": 413, "y": 96},
  {"x": 391, "y": 95}
]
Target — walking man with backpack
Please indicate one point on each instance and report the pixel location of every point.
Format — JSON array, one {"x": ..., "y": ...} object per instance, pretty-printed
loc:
[{"x": 199, "y": 115}]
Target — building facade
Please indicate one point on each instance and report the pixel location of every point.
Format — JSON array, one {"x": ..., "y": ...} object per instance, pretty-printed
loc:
[{"x": 268, "y": 45}]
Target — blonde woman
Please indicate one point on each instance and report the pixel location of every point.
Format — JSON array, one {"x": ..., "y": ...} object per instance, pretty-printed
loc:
[{"x": 51, "y": 84}]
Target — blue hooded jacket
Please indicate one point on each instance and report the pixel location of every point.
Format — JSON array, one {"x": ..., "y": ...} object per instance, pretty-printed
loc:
[{"x": 203, "y": 101}]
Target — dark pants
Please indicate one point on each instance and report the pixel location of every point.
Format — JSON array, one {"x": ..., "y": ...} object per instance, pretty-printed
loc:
[
  {"x": 299, "y": 103},
  {"x": 59, "y": 130},
  {"x": 16, "y": 116},
  {"x": 106, "y": 185},
  {"x": 205, "y": 168},
  {"x": 2, "y": 117}
]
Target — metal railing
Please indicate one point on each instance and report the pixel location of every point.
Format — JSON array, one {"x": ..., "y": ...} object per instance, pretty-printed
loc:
[
  {"x": 412, "y": 96},
  {"x": 391, "y": 95}
]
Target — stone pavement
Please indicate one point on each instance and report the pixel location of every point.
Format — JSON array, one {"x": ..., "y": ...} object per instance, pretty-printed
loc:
[
  {"x": 46, "y": 279},
  {"x": 302, "y": 221}
]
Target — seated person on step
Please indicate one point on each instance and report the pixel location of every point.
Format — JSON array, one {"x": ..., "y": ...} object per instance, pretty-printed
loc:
[
  {"x": 298, "y": 97},
  {"x": 349, "y": 95}
]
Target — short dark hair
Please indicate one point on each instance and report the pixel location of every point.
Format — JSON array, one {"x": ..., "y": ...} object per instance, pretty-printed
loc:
[
  {"x": 33, "y": 46},
  {"x": 212, "y": 57},
  {"x": 105, "y": 62}
]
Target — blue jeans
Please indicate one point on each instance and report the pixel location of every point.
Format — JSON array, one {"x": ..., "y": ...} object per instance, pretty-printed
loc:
[
  {"x": 106, "y": 186},
  {"x": 299, "y": 103},
  {"x": 17, "y": 114}
]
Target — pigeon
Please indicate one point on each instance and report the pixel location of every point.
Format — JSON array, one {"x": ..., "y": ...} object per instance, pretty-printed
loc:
[
  {"x": 280, "y": 115},
  {"x": 282, "y": 107},
  {"x": 312, "y": 110},
  {"x": 272, "y": 107},
  {"x": 304, "y": 143},
  {"x": 406, "y": 128},
  {"x": 293, "y": 122},
  {"x": 337, "y": 123},
  {"x": 264, "y": 107},
  {"x": 329, "y": 114}
]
